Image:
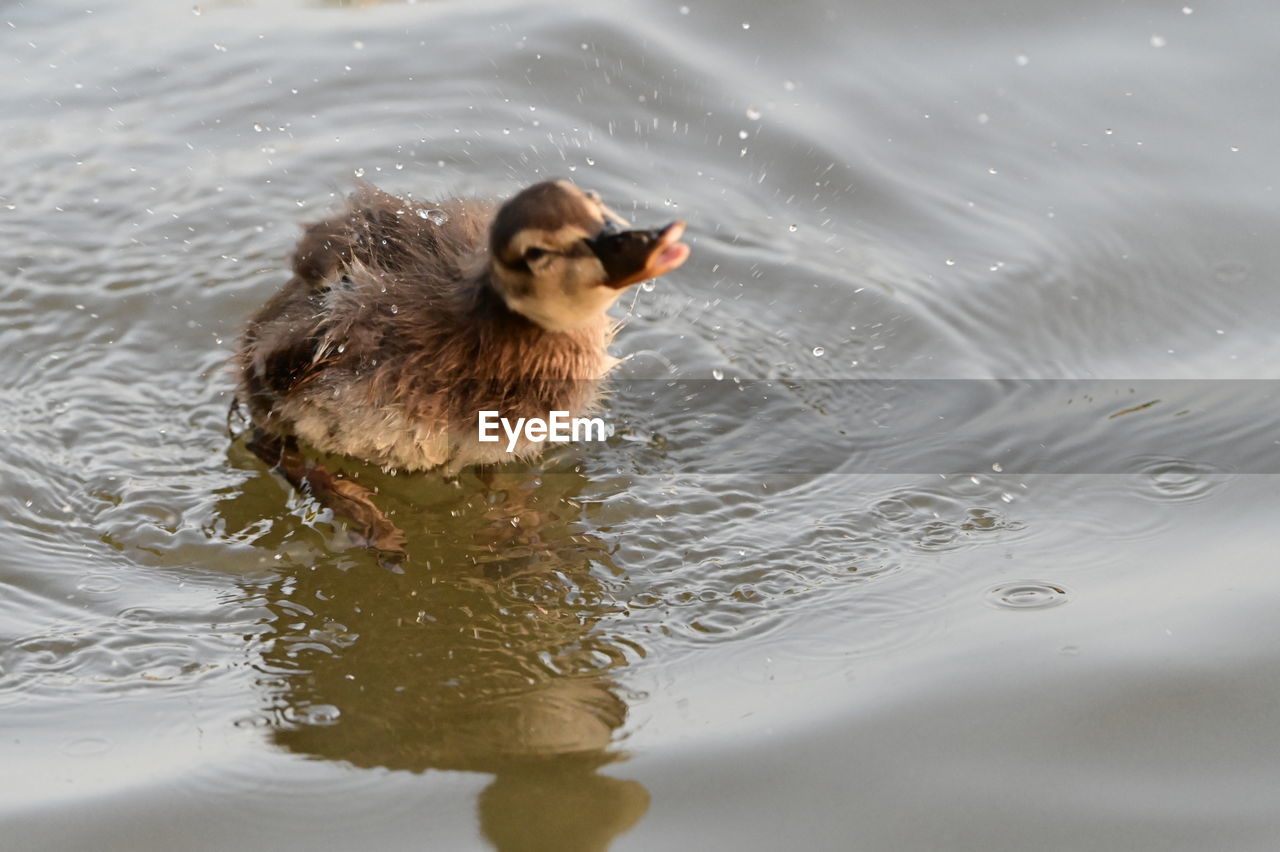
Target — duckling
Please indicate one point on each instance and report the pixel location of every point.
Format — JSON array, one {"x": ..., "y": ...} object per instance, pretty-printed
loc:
[{"x": 403, "y": 321}]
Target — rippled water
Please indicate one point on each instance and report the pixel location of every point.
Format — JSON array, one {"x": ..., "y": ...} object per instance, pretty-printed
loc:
[{"x": 785, "y": 604}]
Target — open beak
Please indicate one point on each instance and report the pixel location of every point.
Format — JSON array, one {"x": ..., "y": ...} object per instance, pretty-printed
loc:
[{"x": 632, "y": 256}]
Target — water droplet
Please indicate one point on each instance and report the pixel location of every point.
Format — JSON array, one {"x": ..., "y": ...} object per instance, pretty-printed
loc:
[
  {"x": 742, "y": 134},
  {"x": 1022, "y": 59},
  {"x": 718, "y": 375},
  {"x": 435, "y": 215},
  {"x": 1108, "y": 131},
  {"x": 1187, "y": 10},
  {"x": 949, "y": 262},
  {"x": 997, "y": 467},
  {"x": 358, "y": 45},
  {"x": 793, "y": 228},
  {"x": 1026, "y": 594},
  {"x": 590, "y": 161},
  {"x": 648, "y": 286},
  {"x": 753, "y": 114},
  {"x": 746, "y": 25},
  {"x": 1235, "y": 149},
  {"x": 1158, "y": 41},
  {"x": 395, "y": 309},
  {"x": 992, "y": 171},
  {"x": 399, "y": 166},
  {"x": 258, "y": 128},
  {"x": 359, "y": 172},
  {"x": 684, "y": 10},
  {"x": 818, "y": 352}
]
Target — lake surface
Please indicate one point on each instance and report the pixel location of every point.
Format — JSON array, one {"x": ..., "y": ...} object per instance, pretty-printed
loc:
[{"x": 942, "y": 508}]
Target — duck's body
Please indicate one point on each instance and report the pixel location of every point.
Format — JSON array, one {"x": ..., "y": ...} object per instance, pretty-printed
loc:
[{"x": 402, "y": 321}]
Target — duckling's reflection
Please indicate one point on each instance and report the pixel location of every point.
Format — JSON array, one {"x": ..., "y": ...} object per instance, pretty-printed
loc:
[{"x": 487, "y": 653}]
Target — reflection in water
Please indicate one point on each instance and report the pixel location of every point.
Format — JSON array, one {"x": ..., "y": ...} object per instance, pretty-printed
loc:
[{"x": 488, "y": 652}]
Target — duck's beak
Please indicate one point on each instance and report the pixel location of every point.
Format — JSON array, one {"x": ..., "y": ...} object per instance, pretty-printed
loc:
[{"x": 632, "y": 256}]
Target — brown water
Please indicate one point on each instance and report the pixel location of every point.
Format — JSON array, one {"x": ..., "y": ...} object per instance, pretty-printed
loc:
[{"x": 786, "y": 606}]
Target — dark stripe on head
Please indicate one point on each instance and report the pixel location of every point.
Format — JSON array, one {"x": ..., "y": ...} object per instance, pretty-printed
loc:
[{"x": 547, "y": 206}]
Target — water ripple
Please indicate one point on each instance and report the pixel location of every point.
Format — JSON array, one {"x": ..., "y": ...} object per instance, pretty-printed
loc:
[
  {"x": 1178, "y": 480},
  {"x": 1027, "y": 594}
]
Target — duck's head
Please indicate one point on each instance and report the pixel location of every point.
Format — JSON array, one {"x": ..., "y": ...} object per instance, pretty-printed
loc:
[{"x": 560, "y": 257}]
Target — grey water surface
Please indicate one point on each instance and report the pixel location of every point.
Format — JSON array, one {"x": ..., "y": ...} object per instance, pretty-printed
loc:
[{"x": 942, "y": 508}]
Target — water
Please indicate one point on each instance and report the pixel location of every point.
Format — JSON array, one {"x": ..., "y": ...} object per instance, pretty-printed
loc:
[{"x": 749, "y": 620}]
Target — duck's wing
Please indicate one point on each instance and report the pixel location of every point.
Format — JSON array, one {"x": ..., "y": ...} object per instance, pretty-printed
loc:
[
  {"x": 280, "y": 349},
  {"x": 291, "y": 341}
]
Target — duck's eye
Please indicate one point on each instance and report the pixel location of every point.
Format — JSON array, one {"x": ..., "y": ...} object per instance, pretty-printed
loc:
[{"x": 532, "y": 254}]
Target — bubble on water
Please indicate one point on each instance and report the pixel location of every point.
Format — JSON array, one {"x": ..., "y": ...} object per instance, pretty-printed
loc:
[
  {"x": 1158, "y": 41},
  {"x": 258, "y": 128},
  {"x": 1026, "y": 594},
  {"x": 793, "y": 228},
  {"x": 435, "y": 215},
  {"x": 718, "y": 375},
  {"x": 997, "y": 467},
  {"x": 1108, "y": 131},
  {"x": 1022, "y": 59},
  {"x": 648, "y": 286},
  {"x": 314, "y": 714},
  {"x": 753, "y": 114},
  {"x": 590, "y": 161},
  {"x": 359, "y": 172},
  {"x": 818, "y": 351}
]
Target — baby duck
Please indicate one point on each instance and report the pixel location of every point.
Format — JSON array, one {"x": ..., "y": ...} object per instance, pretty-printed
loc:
[{"x": 403, "y": 321}]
